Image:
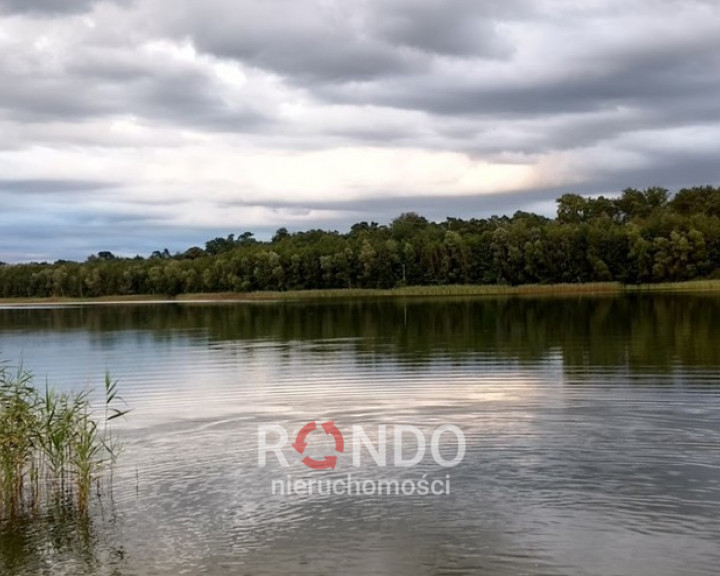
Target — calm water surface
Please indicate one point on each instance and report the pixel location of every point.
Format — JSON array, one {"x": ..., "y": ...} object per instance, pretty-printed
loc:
[{"x": 592, "y": 427}]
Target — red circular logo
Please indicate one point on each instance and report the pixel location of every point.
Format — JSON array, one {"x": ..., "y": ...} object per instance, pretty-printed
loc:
[{"x": 328, "y": 462}]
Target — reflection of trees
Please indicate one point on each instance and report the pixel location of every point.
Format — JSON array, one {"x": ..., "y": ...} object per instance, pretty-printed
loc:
[
  {"x": 62, "y": 542},
  {"x": 613, "y": 331}
]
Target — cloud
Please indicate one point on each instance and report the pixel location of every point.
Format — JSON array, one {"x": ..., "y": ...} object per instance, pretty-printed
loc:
[
  {"x": 462, "y": 28},
  {"x": 313, "y": 40},
  {"x": 321, "y": 41},
  {"x": 45, "y": 6},
  {"x": 51, "y": 7},
  {"x": 42, "y": 187},
  {"x": 60, "y": 79},
  {"x": 184, "y": 118}
]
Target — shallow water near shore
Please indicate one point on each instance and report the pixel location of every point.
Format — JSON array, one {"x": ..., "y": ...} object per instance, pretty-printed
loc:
[{"x": 592, "y": 429}]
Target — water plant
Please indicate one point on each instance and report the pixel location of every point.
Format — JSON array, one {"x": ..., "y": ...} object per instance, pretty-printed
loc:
[{"x": 54, "y": 446}]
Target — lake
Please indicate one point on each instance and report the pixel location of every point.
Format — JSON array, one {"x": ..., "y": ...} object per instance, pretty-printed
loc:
[{"x": 591, "y": 429}]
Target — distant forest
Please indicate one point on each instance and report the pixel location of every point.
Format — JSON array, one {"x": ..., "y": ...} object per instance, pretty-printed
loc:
[{"x": 642, "y": 236}]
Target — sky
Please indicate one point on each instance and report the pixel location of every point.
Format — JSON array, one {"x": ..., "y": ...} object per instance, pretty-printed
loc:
[{"x": 138, "y": 125}]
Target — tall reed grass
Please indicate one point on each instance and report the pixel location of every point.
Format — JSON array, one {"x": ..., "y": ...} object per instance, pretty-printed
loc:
[{"x": 53, "y": 447}]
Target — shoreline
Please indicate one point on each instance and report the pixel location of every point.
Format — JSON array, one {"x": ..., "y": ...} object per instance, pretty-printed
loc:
[{"x": 588, "y": 289}]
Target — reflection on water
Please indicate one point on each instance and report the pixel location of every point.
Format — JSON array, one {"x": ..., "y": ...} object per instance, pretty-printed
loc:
[
  {"x": 60, "y": 543},
  {"x": 611, "y": 331},
  {"x": 592, "y": 425}
]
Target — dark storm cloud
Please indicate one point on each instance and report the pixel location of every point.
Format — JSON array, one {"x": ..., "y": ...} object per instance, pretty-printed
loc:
[
  {"x": 44, "y": 6},
  {"x": 449, "y": 27},
  {"x": 52, "y": 7},
  {"x": 333, "y": 42},
  {"x": 187, "y": 99},
  {"x": 309, "y": 55},
  {"x": 398, "y": 54},
  {"x": 406, "y": 55},
  {"x": 93, "y": 87},
  {"x": 657, "y": 77}
]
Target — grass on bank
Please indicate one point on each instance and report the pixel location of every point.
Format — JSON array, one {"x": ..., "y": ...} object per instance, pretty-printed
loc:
[
  {"x": 689, "y": 286},
  {"x": 417, "y": 291},
  {"x": 53, "y": 448},
  {"x": 405, "y": 292}
]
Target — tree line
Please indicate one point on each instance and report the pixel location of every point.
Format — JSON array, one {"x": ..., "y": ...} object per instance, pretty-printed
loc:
[{"x": 641, "y": 236}]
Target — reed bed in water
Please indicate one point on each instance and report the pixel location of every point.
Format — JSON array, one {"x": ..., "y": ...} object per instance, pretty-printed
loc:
[
  {"x": 53, "y": 447},
  {"x": 466, "y": 290}
]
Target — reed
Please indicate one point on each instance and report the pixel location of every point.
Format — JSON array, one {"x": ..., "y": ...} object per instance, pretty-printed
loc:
[
  {"x": 689, "y": 286},
  {"x": 466, "y": 290},
  {"x": 53, "y": 447}
]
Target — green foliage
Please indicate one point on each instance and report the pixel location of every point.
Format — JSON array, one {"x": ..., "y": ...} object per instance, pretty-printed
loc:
[
  {"x": 52, "y": 448},
  {"x": 641, "y": 236}
]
